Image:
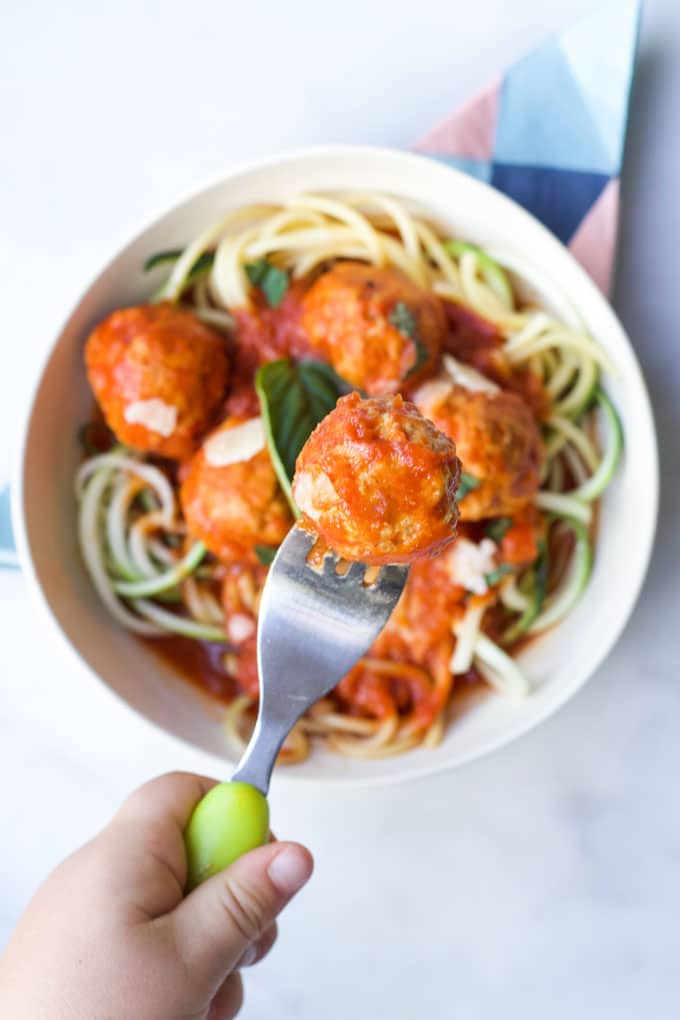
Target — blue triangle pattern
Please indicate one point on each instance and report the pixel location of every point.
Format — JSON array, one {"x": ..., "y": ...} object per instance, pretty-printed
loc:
[
  {"x": 543, "y": 119},
  {"x": 558, "y": 198},
  {"x": 8, "y": 555},
  {"x": 600, "y": 52}
]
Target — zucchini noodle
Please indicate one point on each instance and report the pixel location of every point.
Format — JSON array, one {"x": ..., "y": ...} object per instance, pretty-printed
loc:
[
  {"x": 564, "y": 598},
  {"x": 120, "y": 548},
  {"x": 467, "y": 632},
  {"x": 512, "y": 598},
  {"x": 156, "y": 580},
  {"x": 498, "y": 668}
]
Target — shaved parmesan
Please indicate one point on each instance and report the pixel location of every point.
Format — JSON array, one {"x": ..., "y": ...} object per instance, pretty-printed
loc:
[
  {"x": 240, "y": 627},
  {"x": 314, "y": 493},
  {"x": 428, "y": 396},
  {"x": 468, "y": 564},
  {"x": 467, "y": 376},
  {"x": 153, "y": 414},
  {"x": 233, "y": 446}
]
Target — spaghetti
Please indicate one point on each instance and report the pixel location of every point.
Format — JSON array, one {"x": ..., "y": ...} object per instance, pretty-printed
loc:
[{"x": 246, "y": 277}]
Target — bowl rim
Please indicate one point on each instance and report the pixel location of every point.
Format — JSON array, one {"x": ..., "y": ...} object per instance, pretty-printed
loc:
[{"x": 410, "y": 771}]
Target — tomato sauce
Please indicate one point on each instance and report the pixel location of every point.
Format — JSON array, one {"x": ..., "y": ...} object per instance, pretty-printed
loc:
[
  {"x": 264, "y": 334},
  {"x": 199, "y": 662},
  {"x": 470, "y": 337}
]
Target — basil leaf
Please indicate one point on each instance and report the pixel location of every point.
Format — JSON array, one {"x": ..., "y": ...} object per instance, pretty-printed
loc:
[
  {"x": 422, "y": 354},
  {"x": 266, "y": 554},
  {"x": 274, "y": 286},
  {"x": 498, "y": 529},
  {"x": 201, "y": 266},
  {"x": 403, "y": 319},
  {"x": 468, "y": 483},
  {"x": 294, "y": 397},
  {"x": 272, "y": 281},
  {"x": 255, "y": 271},
  {"x": 494, "y": 576}
]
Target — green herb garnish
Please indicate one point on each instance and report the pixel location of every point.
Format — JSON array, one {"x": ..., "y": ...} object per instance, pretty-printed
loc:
[
  {"x": 402, "y": 318},
  {"x": 494, "y": 576},
  {"x": 422, "y": 354},
  {"x": 272, "y": 281},
  {"x": 468, "y": 483},
  {"x": 498, "y": 529},
  {"x": 266, "y": 554},
  {"x": 294, "y": 397}
]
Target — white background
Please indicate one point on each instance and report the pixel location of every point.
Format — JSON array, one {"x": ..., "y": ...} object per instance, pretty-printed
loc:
[{"x": 541, "y": 882}]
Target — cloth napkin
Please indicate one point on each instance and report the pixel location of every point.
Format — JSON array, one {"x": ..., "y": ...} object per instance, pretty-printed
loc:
[{"x": 549, "y": 133}]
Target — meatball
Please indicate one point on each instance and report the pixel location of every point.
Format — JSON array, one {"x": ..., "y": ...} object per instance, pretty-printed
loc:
[
  {"x": 230, "y": 495},
  {"x": 373, "y": 325},
  {"x": 377, "y": 482},
  {"x": 498, "y": 442},
  {"x": 158, "y": 374}
]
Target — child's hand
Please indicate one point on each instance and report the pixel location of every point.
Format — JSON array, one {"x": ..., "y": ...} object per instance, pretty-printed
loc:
[{"x": 109, "y": 936}]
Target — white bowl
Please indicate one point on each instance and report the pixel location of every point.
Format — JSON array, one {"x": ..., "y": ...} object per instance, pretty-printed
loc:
[{"x": 45, "y": 511}]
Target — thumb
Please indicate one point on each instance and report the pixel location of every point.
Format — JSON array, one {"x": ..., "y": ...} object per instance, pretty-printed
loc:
[{"x": 217, "y": 922}]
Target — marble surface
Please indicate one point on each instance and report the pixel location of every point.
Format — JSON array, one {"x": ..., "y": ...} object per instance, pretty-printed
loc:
[{"x": 543, "y": 881}]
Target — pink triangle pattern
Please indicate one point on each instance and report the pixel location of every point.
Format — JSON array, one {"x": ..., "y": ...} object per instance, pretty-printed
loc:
[
  {"x": 594, "y": 243},
  {"x": 469, "y": 131}
]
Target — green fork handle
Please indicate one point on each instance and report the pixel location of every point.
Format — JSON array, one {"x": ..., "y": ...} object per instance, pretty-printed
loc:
[{"x": 232, "y": 819}]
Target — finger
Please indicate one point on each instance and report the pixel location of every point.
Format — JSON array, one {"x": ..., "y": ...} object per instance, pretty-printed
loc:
[
  {"x": 167, "y": 800},
  {"x": 146, "y": 838},
  {"x": 259, "y": 949},
  {"x": 228, "y": 1000},
  {"x": 233, "y": 909}
]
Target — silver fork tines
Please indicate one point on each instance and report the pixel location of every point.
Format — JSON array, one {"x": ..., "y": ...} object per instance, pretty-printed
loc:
[{"x": 314, "y": 626}]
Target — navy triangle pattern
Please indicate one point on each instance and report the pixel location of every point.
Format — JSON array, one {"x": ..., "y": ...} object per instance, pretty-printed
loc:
[{"x": 558, "y": 198}]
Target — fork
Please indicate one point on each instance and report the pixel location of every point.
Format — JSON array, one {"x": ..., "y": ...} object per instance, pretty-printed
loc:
[{"x": 314, "y": 626}]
